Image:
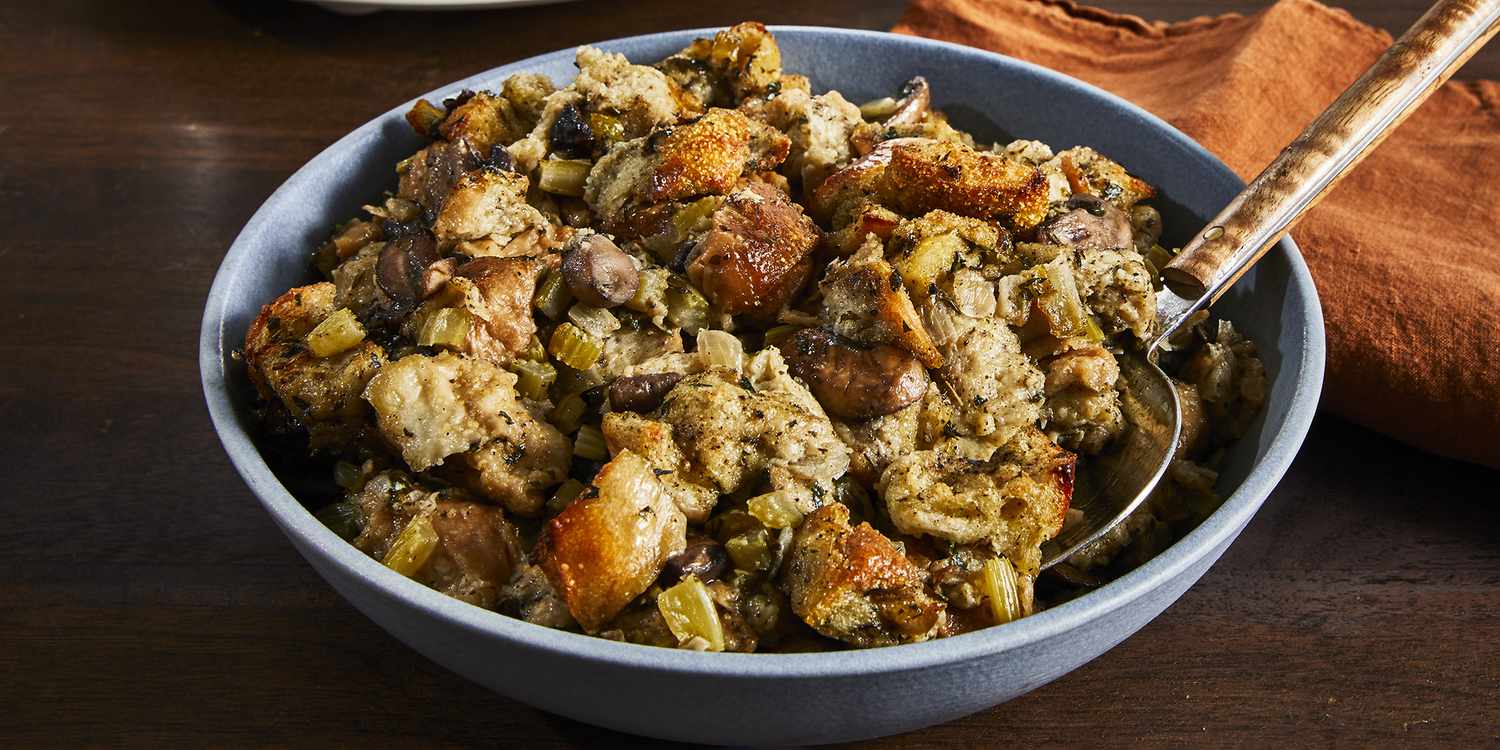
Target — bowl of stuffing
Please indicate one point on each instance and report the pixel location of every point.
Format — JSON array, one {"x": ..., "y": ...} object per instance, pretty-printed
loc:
[{"x": 727, "y": 385}]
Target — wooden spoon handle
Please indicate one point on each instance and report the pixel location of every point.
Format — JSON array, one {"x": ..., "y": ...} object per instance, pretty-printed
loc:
[{"x": 1420, "y": 61}]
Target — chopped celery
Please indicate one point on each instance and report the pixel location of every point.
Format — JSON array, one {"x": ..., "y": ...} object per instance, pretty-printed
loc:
[
  {"x": 338, "y": 332},
  {"x": 686, "y": 307},
  {"x": 590, "y": 444},
  {"x": 445, "y": 326},
  {"x": 695, "y": 217},
  {"x": 998, "y": 581},
  {"x": 552, "y": 296},
  {"x": 566, "y": 493},
  {"x": 1056, "y": 295},
  {"x": 650, "y": 294},
  {"x": 413, "y": 546},
  {"x": 568, "y": 414},
  {"x": 777, "y": 510},
  {"x": 596, "y": 321},
  {"x": 533, "y": 378},
  {"x": 750, "y": 551},
  {"x": 690, "y": 613},
  {"x": 564, "y": 176},
  {"x": 534, "y": 350},
  {"x": 574, "y": 347}
]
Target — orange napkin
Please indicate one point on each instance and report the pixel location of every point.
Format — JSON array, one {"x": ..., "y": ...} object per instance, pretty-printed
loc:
[{"x": 1405, "y": 252}]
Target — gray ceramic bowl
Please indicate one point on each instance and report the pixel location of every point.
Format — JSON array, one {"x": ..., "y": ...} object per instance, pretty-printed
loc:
[{"x": 786, "y": 698}]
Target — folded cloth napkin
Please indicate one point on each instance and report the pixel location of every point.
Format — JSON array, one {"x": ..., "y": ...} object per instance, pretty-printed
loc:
[{"x": 1404, "y": 251}]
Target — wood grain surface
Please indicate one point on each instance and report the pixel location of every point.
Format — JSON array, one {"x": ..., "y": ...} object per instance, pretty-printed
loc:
[{"x": 148, "y": 601}]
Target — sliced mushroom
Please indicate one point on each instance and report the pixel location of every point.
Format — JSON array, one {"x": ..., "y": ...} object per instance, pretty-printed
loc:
[
  {"x": 597, "y": 271},
  {"x": 853, "y": 382},
  {"x": 914, "y": 104},
  {"x": 641, "y": 393},
  {"x": 703, "y": 558},
  {"x": 570, "y": 135},
  {"x": 400, "y": 271},
  {"x": 1092, "y": 223}
]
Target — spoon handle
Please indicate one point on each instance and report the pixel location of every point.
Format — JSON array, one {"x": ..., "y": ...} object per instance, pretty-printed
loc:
[{"x": 1420, "y": 61}]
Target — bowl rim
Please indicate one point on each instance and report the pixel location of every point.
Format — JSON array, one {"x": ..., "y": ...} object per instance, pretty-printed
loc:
[{"x": 316, "y": 540}]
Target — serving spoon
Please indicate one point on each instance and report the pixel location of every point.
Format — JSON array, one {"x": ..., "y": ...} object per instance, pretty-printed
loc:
[{"x": 1404, "y": 76}]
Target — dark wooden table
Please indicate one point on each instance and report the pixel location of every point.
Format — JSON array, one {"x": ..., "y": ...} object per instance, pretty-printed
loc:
[{"x": 147, "y": 599}]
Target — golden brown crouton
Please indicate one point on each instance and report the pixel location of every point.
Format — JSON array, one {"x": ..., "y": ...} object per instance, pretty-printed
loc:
[
  {"x": 477, "y": 548},
  {"x": 606, "y": 548},
  {"x": 1015, "y": 501},
  {"x": 854, "y": 584},
  {"x": 738, "y": 62},
  {"x": 705, "y": 157},
  {"x": 487, "y": 203},
  {"x": 865, "y": 299},
  {"x": 321, "y": 394},
  {"x": 496, "y": 293},
  {"x": 914, "y": 176},
  {"x": 934, "y": 175},
  {"x": 757, "y": 254}
]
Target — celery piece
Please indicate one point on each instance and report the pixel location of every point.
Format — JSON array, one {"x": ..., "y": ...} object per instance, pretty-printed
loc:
[
  {"x": 998, "y": 581},
  {"x": 533, "y": 378},
  {"x": 413, "y": 546},
  {"x": 574, "y": 347},
  {"x": 568, "y": 414},
  {"x": 552, "y": 297},
  {"x": 445, "y": 326},
  {"x": 564, "y": 176},
  {"x": 566, "y": 493},
  {"x": 590, "y": 444},
  {"x": 690, "y": 613},
  {"x": 337, "y": 333}
]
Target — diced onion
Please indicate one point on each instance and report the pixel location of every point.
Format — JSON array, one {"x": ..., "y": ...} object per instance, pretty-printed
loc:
[
  {"x": 721, "y": 349},
  {"x": 597, "y": 321},
  {"x": 690, "y": 613},
  {"x": 338, "y": 332},
  {"x": 413, "y": 546}
]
